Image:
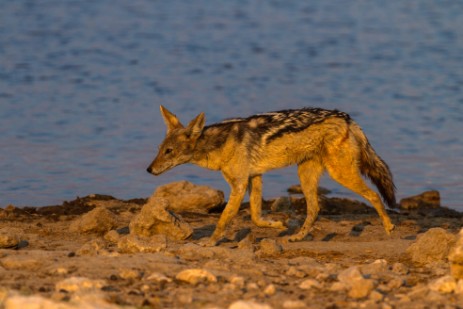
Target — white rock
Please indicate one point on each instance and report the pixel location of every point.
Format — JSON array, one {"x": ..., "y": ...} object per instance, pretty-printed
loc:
[
  {"x": 309, "y": 284},
  {"x": 158, "y": 277},
  {"x": 246, "y": 304},
  {"x": 270, "y": 290},
  {"x": 195, "y": 276}
]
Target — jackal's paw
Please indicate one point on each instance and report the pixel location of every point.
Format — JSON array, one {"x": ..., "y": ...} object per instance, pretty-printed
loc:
[
  {"x": 295, "y": 237},
  {"x": 389, "y": 229},
  {"x": 208, "y": 242}
]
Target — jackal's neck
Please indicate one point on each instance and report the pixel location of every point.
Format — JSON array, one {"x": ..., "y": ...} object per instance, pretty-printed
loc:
[{"x": 210, "y": 147}]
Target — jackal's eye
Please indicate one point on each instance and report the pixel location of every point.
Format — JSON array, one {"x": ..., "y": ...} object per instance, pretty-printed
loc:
[{"x": 168, "y": 150}]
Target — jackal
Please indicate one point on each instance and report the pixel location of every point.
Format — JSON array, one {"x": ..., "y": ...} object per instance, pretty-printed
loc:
[{"x": 315, "y": 139}]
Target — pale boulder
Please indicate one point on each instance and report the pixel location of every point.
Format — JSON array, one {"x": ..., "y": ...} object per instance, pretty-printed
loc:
[{"x": 184, "y": 196}]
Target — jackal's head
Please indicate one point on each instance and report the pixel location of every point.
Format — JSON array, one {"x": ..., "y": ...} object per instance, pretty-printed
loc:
[{"x": 178, "y": 145}]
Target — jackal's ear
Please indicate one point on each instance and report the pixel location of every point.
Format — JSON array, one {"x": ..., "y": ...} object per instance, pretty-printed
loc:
[
  {"x": 170, "y": 119},
  {"x": 196, "y": 126}
]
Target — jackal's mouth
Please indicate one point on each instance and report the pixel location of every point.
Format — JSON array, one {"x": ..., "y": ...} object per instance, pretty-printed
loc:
[{"x": 158, "y": 171}]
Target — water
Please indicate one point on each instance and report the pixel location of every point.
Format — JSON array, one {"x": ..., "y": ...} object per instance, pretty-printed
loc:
[{"x": 81, "y": 83}]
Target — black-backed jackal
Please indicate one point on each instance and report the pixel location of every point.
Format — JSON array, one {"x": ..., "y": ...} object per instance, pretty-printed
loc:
[{"x": 244, "y": 148}]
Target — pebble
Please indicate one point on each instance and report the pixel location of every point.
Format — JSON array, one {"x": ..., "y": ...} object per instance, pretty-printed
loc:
[
  {"x": 247, "y": 304},
  {"x": 9, "y": 237},
  {"x": 269, "y": 247},
  {"x": 195, "y": 276},
  {"x": 309, "y": 284},
  {"x": 133, "y": 244},
  {"x": 79, "y": 284},
  {"x": 270, "y": 290},
  {"x": 445, "y": 285}
]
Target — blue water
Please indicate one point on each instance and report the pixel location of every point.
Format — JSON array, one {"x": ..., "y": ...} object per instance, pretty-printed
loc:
[{"x": 81, "y": 83}]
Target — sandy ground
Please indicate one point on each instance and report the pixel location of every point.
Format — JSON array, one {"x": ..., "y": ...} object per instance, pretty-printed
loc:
[{"x": 255, "y": 264}]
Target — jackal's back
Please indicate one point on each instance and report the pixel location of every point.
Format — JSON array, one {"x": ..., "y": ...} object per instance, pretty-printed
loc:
[{"x": 269, "y": 126}]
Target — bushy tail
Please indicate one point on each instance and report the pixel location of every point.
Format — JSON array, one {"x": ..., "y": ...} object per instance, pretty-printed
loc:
[{"x": 374, "y": 168}]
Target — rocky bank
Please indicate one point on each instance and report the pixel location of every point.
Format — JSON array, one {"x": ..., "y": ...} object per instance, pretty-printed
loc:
[{"x": 102, "y": 252}]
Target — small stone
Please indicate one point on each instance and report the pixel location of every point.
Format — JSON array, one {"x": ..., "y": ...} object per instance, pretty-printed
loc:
[
  {"x": 247, "y": 304},
  {"x": 294, "y": 272},
  {"x": 93, "y": 247},
  {"x": 195, "y": 276},
  {"x": 159, "y": 278},
  {"x": 185, "y": 196},
  {"x": 9, "y": 237},
  {"x": 99, "y": 220},
  {"x": 338, "y": 286},
  {"x": 350, "y": 274},
  {"x": 309, "y": 284},
  {"x": 361, "y": 288},
  {"x": 79, "y": 284},
  {"x": 237, "y": 281},
  {"x": 134, "y": 244},
  {"x": 23, "y": 262},
  {"x": 445, "y": 285},
  {"x": 399, "y": 268},
  {"x": 154, "y": 219},
  {"x": 270, "y": 290},
  {"x": 130, "y": 274},
  {"x": 375, "y": 268},
  {"x": 269, "y": 247},
  {"x": 432, "y": 246}
]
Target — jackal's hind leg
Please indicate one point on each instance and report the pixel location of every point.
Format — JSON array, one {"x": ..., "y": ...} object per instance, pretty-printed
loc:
[
  {"x": 309, "y": 173},
  {"x": 255, "y": 193},
  {"x": 347, "y": 174}
]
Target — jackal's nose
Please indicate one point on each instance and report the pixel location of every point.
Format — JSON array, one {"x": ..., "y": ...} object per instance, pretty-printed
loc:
[{"x": 149, "y": 170}]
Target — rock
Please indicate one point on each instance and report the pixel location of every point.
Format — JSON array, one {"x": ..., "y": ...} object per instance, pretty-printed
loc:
[
  {"x": 133, "y": 244},
  {"x": 270, "y": 290},
  {"x": 24, "y": 262},
  {"x": 237, "y": 281},
  {"x": 309, "y": 284},
  {"x": 375, "y": 268},
  {"x": 445, "y": 285},
  {"x": 456, "y": 257},
  {"x": 400, "y": 268},
  {"x": 154, "y": 218},
  {"x": 10, "y": 237},
  {"x": 79, "y": 284},
  {"x": 248, "y": 304},
  {"x": 130, "y": 274},
  {"x": 432, "y": 246},
  {"x": 428, "y": 199},
  {"x": 269, "y": 247},
  {"x": 195, "y": 276},
  {"x": 99, "y": 220},
  {"x": 185, "y": 196},
  {"x": 112, "y": 236},
  {"x": 358, "y": 286},
  {"x": 159, "y": 278},
  {"x": 93, "y": 247}
]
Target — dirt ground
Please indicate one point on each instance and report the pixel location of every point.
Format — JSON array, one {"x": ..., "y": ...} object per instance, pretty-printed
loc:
[{"x": 255, "y": 265}]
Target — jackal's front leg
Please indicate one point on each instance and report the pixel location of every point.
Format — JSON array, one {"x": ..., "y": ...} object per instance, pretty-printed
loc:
[
  {"x": 255, "y": 192},
  {"x": 238, "y": 190}
]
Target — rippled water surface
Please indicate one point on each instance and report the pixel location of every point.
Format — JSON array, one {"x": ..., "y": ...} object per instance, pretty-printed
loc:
[{"x": 81, "y": 83}]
